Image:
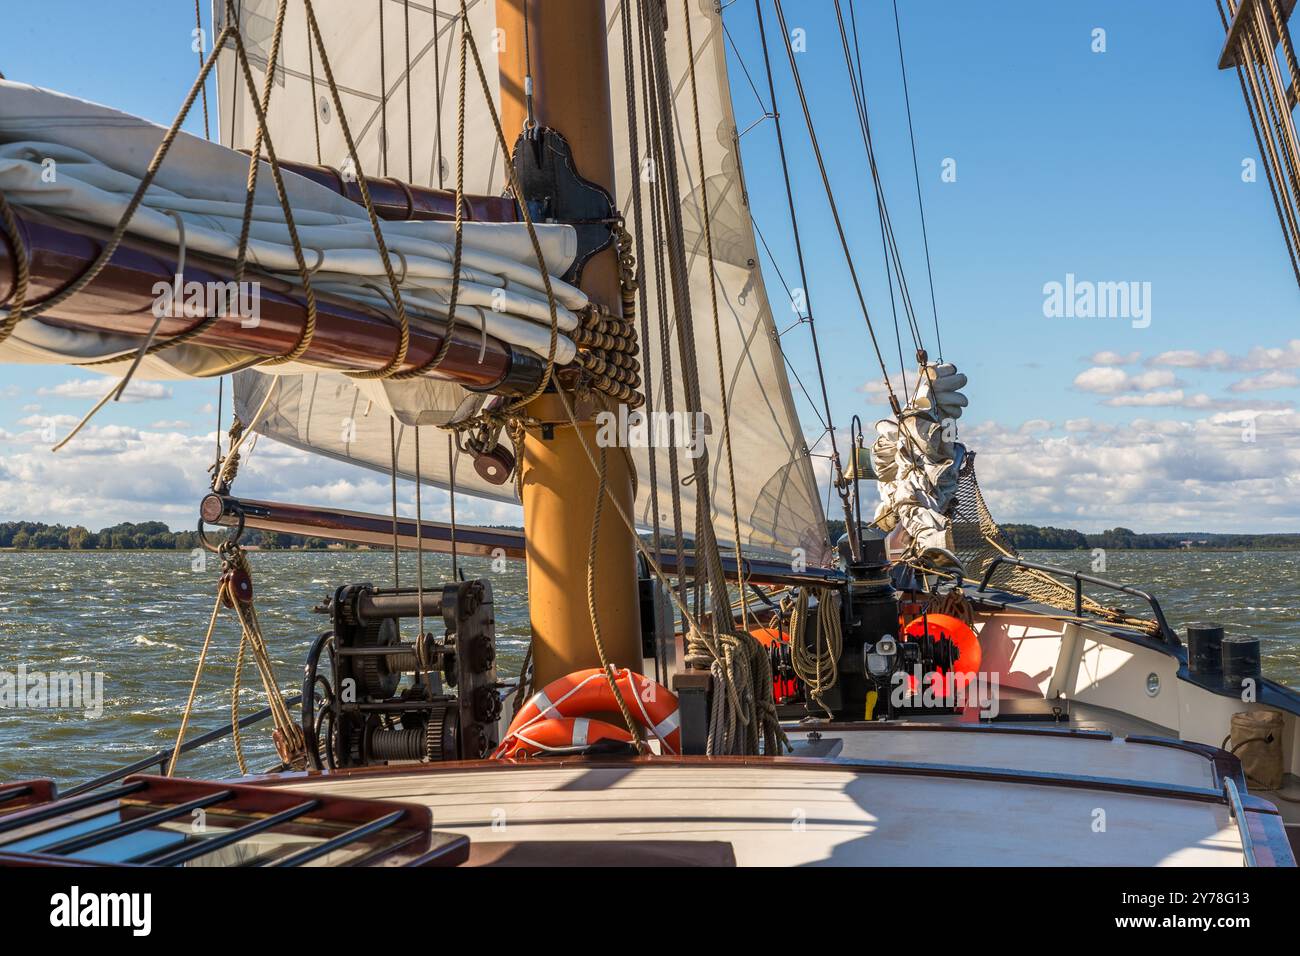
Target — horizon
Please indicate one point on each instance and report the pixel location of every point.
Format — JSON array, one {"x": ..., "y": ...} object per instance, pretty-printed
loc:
[{"x": 1079, "y": 176}]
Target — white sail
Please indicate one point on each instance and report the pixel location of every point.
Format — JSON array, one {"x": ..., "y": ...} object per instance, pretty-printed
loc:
[{"x": 777, "y": 503}]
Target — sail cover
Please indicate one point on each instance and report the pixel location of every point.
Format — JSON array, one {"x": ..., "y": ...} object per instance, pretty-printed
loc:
[{"x": 778, "y": 508}]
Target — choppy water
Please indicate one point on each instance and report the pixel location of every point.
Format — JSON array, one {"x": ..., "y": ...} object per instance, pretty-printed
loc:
[{"x": 139, "y": 618}]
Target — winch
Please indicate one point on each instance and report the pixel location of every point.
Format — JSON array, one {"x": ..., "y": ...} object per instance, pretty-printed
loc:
[{"x": 385, "y": 699}]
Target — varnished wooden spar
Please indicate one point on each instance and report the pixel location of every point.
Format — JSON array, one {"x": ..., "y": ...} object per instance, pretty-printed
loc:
[
  {"x": 357, "y": 527},
  {"x": 349, "y": 336},
  {"x": 395, "y": 199}
]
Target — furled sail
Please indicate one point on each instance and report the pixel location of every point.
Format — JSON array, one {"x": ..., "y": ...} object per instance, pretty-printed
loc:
[{"x": 777, "y": 508}]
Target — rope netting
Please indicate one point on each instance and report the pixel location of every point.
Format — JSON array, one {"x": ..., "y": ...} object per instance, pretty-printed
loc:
[{"x": 978, "y": 539}]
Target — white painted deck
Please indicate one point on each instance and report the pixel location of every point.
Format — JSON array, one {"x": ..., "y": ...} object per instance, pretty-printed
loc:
[
  {"x": 1095, "y": 757},
  {"x": 793, "y": 816}
]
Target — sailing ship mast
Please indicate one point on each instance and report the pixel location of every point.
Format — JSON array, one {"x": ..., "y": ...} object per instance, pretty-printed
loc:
[{"x": 555, "y": 74}]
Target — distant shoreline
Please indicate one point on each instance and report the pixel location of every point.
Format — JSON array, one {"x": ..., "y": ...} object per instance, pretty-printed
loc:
[{"x": 157, "y": 536}]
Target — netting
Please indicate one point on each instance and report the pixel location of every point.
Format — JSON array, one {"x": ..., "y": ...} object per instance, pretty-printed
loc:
[{"x": 977, "y": 540}]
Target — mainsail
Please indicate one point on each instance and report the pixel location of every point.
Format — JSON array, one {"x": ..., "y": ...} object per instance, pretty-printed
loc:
[{"x": 386, "y": 54}]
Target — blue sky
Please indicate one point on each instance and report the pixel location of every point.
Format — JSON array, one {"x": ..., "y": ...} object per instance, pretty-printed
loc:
[{"x": 1122, "y": 166}]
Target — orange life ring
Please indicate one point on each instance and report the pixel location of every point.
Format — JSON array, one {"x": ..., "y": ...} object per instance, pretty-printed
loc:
[
  {"x": 588, "y": 692},
  {"x": 767, "y": 636},
  {"x": 557, "y": 733},
  {"x": 956, "y": 630}
]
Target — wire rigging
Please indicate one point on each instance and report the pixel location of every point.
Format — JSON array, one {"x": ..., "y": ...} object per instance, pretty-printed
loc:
[
  {"x": 829, "y": 421},
  {"x": 858, "y": 88},
  {"x": 888, "y": 240},
  {"x": 834, "y": 206},
  {"x": 916, "y": 172}
]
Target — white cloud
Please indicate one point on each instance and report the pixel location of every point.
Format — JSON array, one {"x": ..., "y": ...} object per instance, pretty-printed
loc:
[
  {"x": 1170, "y": 398},
  {"x": 1108, "y": 380},
  {"x": 96, "y": 388},
  {"x": 110, "y": 474},
  {"x": 1188, "y": 358},
  {"x": 1258, "y": 359},
  {"x": 1177, "y": 398},
  {"x": 1114, "y": 358},
  {"x": 875, "y": 390},
  {"x": 1266, "y": 381},
  {"x": 1203, "y": 475}
]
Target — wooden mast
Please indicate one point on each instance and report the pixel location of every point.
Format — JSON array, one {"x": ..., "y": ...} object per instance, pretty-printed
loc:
[{"x": 570, "y": 74}]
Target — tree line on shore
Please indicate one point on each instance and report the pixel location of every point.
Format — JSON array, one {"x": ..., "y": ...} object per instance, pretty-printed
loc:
[
  {"x": 155, "y": 535},
  {"x": 133, "y": 536},
  {"x": 1028, "y": 537}
]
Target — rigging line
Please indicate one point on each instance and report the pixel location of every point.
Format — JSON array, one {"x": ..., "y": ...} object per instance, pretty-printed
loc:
[
  {"x": 830, "y": 197},
  {"x": 704, "y": 537},
  {"x": 453, "y": 457},
  {"x": 437, "y": 96},
  {"x": 713, "y": 296},
  {"x": 916, "y": 171},
  {"x": 780, "y": 344},
  {"x": 198, "y": 26},
  {"x": 745, "y": 69},
  {"x": 794, "y": 225},
  {"x": 383, "y": 94},
  {"x": 638, "y": 221},
  {"x": 419, "y": 536},
  {"x": 860, "y": 98},
  {"x": 403, "y": 323},
  {"x": 665, "y": 274},
  {"x": 221, "y": 389},
  {"x": 315, "y": 105},
  {"x": 1268, "y": 169},
  {"x": 654, "y": 150},
  {"x": 392, "y": 451},
  {"x": 406, "y": 74},
  {"x": 882, "y": 211},
  {"x": 530, "y": 122},
  {"x": 887, "y": 239},
  {"x": 892, "y": 251}
]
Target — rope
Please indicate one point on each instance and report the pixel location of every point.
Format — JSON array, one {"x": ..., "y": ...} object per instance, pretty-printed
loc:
[
  {"x": 606, "y": 667},
  {"x": 198, "y": 25},
  {"x": 437, "y": 97},
  {"x": 254, "y": 161},
  {"x": 263, "y": 134},
  {"x": 893, "y": 267},
  {"x": 713, "y": 301},
  {"x": 743, "y": 706},
  {"x": 403, "y": 322},
  {"x": 194, "y": 686},
  {"x": 410, "y": 128},
  {"x": 392, "y": 450},
  {"x": 21, "y": 274},
  {"x": 90, "y": 273},
  {"x": 830, "y": 196},
  {"x": 458, "y": 248},
  {"x": 818, "y": 668},
  {"x": 288, "y": 734},
  {"x": 916, "y": 172},
  {"x": 658, "y": 245},
  {"x": 829, "y": 423},
  {"x": 1284, "y": 213}
]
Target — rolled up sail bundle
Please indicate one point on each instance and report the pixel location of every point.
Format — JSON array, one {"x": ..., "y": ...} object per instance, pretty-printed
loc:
[
  {"x": 61, "y": 169},
  {"x": 916, "y": 460}
]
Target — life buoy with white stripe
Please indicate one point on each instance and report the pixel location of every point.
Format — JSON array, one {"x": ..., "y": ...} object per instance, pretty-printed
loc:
[
  {"x": 552, "y": 734},
  {"x": 588, "y": 692}
]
